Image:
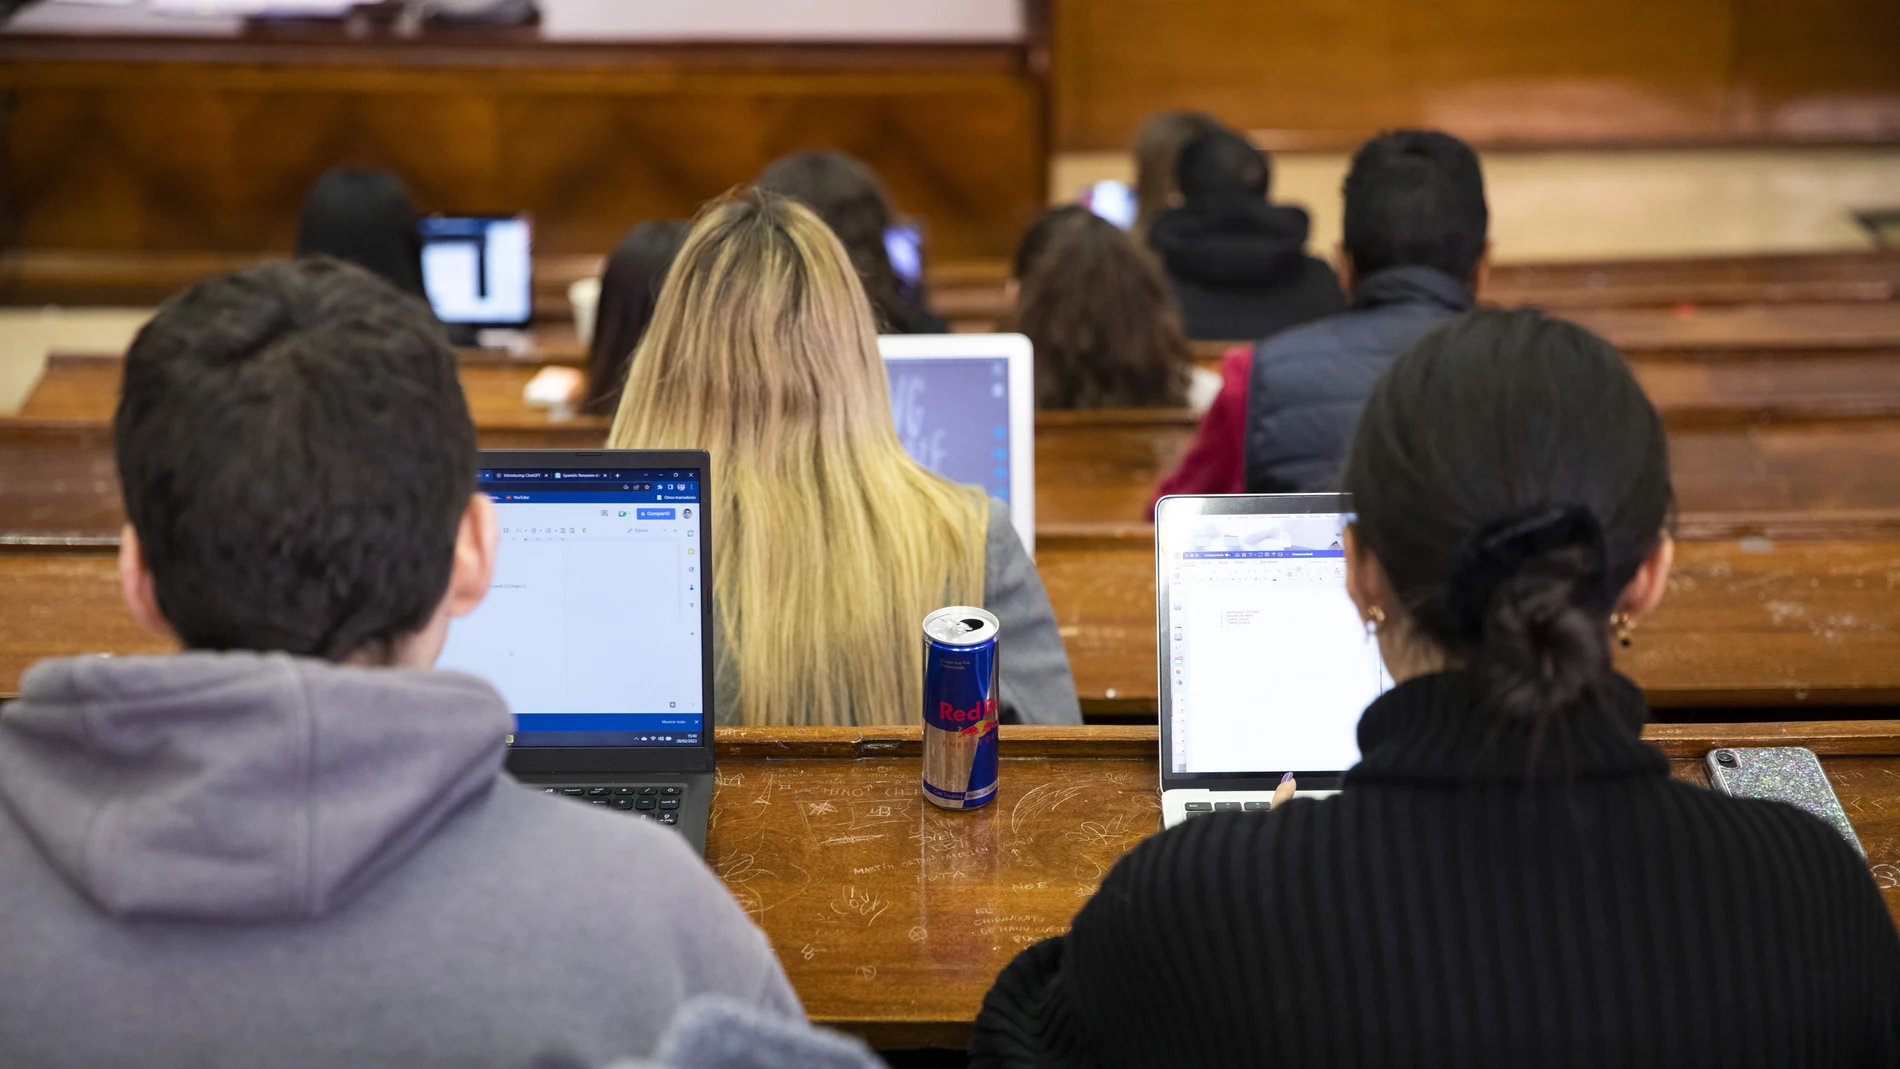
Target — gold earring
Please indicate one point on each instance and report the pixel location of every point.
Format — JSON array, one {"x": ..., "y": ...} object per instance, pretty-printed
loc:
[
  {"x": 1377, "y": 621},
  {"x": 1623, "y": 625}
]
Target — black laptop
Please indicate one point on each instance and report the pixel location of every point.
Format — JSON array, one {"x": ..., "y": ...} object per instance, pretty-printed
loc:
[{"x": 597, "y": 629}]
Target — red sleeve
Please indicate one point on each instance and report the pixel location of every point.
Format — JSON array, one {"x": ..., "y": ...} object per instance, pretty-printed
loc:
[{"x": 1214, "y": 463}]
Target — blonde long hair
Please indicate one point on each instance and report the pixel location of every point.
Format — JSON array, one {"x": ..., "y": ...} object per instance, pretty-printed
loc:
[{"x": 830, "y": 543}]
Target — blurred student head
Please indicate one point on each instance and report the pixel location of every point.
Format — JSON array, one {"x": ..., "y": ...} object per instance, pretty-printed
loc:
[
  {"x": 1158, "y": 146},
  {"x": 851, "y": 200},
  {"x": 1505, "y": 539},
  {"x": 830, "y": 542},
  {"x": 629, "y": 288},
  {"x": 298, "y": 467},
  {"x": 1415, "y": 198},
  {"x": 367, "y": 218},
  {"x": 1221, "y": 163},
  {"x": 1100, "y": 315}
]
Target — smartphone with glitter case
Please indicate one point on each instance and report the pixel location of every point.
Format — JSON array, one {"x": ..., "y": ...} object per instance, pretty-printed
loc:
[{"x": 1790, "y": 774}]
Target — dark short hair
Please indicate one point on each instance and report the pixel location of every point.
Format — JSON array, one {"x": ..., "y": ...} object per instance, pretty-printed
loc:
[
  {"x": 1510, "y": 476},
  {"x": 1415, "y": 198},
  {"x": 296, "y": 455},
  {"x": 1222, "y": 162},
  {"x": 629, "y": 291}
]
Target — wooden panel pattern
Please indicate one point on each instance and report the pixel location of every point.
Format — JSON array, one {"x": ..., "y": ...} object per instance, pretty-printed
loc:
[
  {"x": 1323, "y": 73},
  {"x": 209, "y": 146}
]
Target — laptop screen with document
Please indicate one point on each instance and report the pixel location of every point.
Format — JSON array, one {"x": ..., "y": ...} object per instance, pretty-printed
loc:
[
  {"x": 1265, "y": 665},
  {"x": 593, "y": 628}
]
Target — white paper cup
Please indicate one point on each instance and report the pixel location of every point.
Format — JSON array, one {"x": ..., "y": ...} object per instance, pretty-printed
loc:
[{"x": 584, "y": 297}]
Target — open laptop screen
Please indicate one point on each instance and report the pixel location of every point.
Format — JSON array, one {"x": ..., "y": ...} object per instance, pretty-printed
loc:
[
  {"x": 953, "y": 417},
  {"x": 478, "y": 270},
  {"x": 592, "y": 628},
  {"x": 964, "y": 407},
  {"x": 1265, "y": 662}
]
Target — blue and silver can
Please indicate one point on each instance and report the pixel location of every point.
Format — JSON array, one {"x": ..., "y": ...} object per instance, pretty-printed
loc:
[{"x": 960, "y": 694}]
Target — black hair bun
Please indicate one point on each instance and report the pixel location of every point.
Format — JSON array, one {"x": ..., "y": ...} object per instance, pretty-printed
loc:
[{"x": 1497, "y": 552}]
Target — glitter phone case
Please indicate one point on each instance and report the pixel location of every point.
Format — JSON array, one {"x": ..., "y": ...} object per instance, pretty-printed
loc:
[{"x": 1790, "y": 774}]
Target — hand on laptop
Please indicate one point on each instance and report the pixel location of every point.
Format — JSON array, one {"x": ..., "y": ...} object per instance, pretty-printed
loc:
[{"x": 1285, "y": 790}]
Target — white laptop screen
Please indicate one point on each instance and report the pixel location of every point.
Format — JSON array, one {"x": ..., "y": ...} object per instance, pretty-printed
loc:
[
  {"x": 591, "y": 628},
  {"x": 478, "y": 270},
  {"x": 1266, "y": 662}
]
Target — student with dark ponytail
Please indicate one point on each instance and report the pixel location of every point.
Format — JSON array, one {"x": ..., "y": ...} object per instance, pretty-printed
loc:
[{"x": 1510, "y": 877}]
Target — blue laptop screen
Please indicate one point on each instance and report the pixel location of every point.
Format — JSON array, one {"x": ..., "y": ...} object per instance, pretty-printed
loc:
[
  {"x": 952, "y": 415},
  {"x": 591, "y": 630}
]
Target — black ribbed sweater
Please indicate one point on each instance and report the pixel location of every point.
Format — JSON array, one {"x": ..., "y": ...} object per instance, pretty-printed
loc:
[{"x": 1477, "y": 896}]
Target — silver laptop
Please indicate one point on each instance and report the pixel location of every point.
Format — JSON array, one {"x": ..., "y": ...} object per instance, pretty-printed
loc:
[
  {"x": 1265, "y": 667},
  {"x": 597, "y": 628}
]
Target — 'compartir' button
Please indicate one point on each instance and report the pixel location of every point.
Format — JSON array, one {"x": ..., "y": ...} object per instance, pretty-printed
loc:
[{"x": 655, "y": 514}]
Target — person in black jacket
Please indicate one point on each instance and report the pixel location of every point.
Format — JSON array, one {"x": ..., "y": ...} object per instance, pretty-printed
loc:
[
  {"x": 1511, "y": 876},
  {"x": 1238, "y": 264},
  {"x": 1414, "y": 252}
]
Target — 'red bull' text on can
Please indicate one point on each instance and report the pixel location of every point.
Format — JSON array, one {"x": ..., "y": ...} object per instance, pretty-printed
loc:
[{"x": 960, "y": 693}]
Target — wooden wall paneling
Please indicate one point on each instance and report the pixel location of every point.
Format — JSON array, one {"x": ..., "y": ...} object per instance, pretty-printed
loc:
[
  {"x": 211, "y": 145},
  {"x": 1818, "y": 67},
  {"x": 1326, "y": 73}
]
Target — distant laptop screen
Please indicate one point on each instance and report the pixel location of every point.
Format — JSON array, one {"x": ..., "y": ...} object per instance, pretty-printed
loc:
[
  {"x": 953, "y": 417},
  {"x": 1267, "y": 664},
  {"x": 592, "y": 628},
  {"x": 965, "y": 408},
  {"x": 478, "y": 270}
]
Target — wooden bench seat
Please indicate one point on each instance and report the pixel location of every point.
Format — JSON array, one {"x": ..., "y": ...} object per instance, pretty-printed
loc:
[
  {"x": 59, "y": 477},
  {"x": 972, "y": 290},
  {"x": 1748, "y": 623}
]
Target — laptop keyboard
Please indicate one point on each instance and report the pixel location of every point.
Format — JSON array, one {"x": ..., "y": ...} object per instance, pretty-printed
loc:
[
  {"x": 659, "y": 803},
  {"x": 1201, "y": 809}
]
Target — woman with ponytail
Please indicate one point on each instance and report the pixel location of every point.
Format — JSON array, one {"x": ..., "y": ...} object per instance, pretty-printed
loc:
[{"x": 1510, "y": 877}]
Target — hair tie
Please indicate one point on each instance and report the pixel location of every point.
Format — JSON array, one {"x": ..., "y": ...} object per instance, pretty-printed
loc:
[{"x": 1497, "y": 551}]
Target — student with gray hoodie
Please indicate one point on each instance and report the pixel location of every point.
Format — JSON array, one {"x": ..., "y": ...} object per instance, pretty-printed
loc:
[{"x": 293, "y": 844}]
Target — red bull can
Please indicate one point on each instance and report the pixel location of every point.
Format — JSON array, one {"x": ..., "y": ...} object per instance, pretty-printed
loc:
[{"x": 960, "y": 694}]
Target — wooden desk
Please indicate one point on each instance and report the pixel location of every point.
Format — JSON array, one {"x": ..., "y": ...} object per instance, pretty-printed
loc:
[
  {"x": 1776, "y": 278},
  {"x": 1092, "y": 469},
  {"x": 1748, "y": 431},
  {"x": 893, "y": 917},
  {"x": 1672, "y": 284},
  {"x": 1748, "y": 622},
  {"x": 84, "y": 387}
]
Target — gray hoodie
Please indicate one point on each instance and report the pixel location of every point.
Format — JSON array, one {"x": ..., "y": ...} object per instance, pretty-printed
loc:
[{"x": 237, "y": 859}]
